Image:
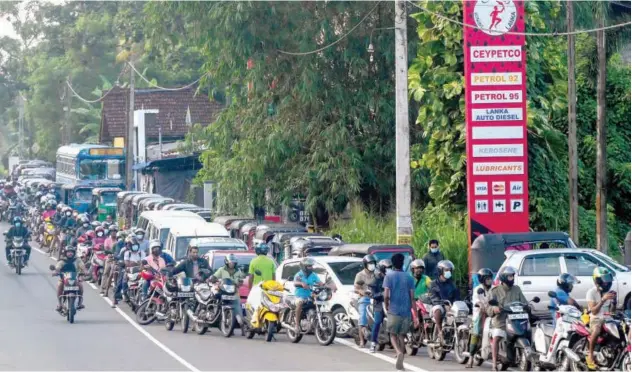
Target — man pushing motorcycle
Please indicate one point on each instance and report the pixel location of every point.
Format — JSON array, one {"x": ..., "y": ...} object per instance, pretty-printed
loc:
[
  {"x": 69, "y": 263},
  {"x": 17, "y": 230}
]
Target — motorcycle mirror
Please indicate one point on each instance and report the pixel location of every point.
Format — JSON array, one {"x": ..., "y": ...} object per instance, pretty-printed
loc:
[
  {"x": 536, "y": 299},
  {"x": 4, "y": 233},
  {"x": 480, "y": 291},
  {"x": 552, "y": 294},
  {"x": 51, "y": 267},
  {"x": 493, "y": 302}
]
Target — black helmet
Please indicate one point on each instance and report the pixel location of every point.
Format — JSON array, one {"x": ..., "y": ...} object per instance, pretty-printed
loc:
[
  {"x": 70, "y": 249},
  {"x": 566, "y": 281},
  {"x": 602, "y": 278},
  {"x": 369, "y": 258},
  {"x": 383, "y": 265},
  {"x": 504, "y": 275},
  {"x": 17, "y": 219},
  {"x": 444, "y": 265},
  {"x": 483, "y": 274}
]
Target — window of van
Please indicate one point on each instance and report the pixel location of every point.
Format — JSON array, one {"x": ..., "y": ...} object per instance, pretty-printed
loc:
[
  {"x": 182, "y": 244},
  {"x": 164, "y": 232},
  {"x": 142, "y": 223}
]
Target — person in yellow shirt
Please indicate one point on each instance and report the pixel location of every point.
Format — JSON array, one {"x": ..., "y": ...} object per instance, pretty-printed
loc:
[{"x": 263, "y": 264}]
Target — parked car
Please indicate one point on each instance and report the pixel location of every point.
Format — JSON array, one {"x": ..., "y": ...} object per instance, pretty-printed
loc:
[
  {"x": 342, "y": 271},
  {"x": 537, "y": 270}
]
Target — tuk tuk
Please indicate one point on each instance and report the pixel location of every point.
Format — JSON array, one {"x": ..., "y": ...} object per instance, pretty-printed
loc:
[
  {"x": 78, "y": 197},
  {"x": 104, "y": 202},
  {"x": 148, "y": 204},
  {"x": 305, "y": 246},
  {"x": 121, "y": 207},
  {"x": 134, "y": 204},
  {"x": 265, "y": 232},
  {"x": 161, "y": 204},
  {"x": 178, "y": 206},
  {"x": 235, "y": 227},
  {"x": 247, "y": 233},
  {"x": 380, "y": 251},
  {"x": 488, "y": 250},
  {"x": 227, "y": 220}
]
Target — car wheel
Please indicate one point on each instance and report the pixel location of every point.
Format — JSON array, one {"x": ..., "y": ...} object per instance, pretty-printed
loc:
[{"x": 343, "y": 322}]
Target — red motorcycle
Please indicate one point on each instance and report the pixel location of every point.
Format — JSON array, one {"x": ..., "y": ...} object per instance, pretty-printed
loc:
[
  {"x": 97, "y": 263},
  {"x": 152, "y": 307},
  {"x": 421, "y": 334}
]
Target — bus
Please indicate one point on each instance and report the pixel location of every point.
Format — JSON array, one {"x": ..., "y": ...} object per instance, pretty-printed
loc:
[{"x": 90, "y": 164}]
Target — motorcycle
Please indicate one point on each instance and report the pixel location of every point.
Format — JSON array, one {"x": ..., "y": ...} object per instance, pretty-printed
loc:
[
  {"x": 207, "y": 309},
  {"x": 225, "y": 293},
  {"x": 516, "y": 346},
  {"x": 383, "y": 338},
  {"x": 463, "y": 339},
  {"x": 549, "y": 341},
  {"x": 84, "y": 251},
  {"x": 132, "y": 294},
  {"x": 316, "y": 317},
  {"x": 17, "y": 254},
  {"x": 98, "y": 260},
  {"x": 153, "y": 306},
  {"x": 49, "y": 234},
  {"x": 180, "y": 297},
  {"x": 453, "y": 319},
  {"x": 70, "y": 294},
  {"x": 270, "y": 304}
]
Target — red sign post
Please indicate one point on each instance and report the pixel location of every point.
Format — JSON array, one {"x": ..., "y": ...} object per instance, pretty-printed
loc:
[{"x": 496, "y": 114}]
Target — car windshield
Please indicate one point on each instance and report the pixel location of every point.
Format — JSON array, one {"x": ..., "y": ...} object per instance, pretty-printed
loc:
[
  {"x": 243, "y": 262},
  {"x": 387, "y": 255},
  {"x": 108, "y": 198},
  {"x": 611, "y": 261},
  {"x": 182, "y": 244},
  {"x": 83, "y": 194},
  {"x": 346, "y": 271},
  {"x": 112, "y": 169}
]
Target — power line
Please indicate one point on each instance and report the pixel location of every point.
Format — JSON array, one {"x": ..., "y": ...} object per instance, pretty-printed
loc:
[
  {"x": 163, "y": 88},
  {"x": 335, "y": 42},
  {"x": 521, "y": 33},
  {"x": 98, "y": 99}
]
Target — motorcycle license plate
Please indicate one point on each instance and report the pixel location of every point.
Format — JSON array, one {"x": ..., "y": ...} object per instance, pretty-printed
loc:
[
  {"x": 226, "y": 297},
  {"x": 185, "y": 294},
  {"x": 18, "y": 251},
  {"x": 71, "y": 288},
  {"x": 518, "y": 316}
]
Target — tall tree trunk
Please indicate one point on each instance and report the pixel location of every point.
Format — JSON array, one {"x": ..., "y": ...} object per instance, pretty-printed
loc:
[
  {"x": 602, "y": 212},
  {"x": 572, "y": 126}
]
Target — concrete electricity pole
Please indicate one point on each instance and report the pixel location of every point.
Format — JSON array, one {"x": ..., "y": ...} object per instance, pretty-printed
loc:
[
  {"x": 129, "y": 141},
  {"x": 402, "y": 131},
  {"x": 21, "y": 126},
  {"x": 572, "y": 126}
]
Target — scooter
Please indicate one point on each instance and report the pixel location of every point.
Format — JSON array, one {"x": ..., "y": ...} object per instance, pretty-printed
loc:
[
  {"x": 264, "y": 309},
  {"x": 515, "y": 347}
]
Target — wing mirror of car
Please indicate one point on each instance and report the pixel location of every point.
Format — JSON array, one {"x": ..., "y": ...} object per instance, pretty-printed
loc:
[
  {"x": 480, "y": 291},
  {"x": 536, "y": 299},
  {"x": 552, "y": 294},
  {"x": 51, "y": 267}
]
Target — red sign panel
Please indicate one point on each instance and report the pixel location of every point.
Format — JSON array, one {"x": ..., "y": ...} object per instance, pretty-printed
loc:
[{"x": 496, "y": 114}]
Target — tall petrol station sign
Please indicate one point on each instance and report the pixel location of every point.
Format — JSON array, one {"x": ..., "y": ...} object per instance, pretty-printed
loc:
[{"x": 496, "y": 117}]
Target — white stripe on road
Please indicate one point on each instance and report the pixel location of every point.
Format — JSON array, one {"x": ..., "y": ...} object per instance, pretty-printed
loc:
[
  {"x": 385, "y": 358},
  {"x": 131, "y": 321}
]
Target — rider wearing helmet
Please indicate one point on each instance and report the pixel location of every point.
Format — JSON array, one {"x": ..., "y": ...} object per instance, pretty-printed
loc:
[
  {"x": 485, "y": 277},
  {"x": 193, "y": 264},
  {"x": 601, "y": 299},
  {"x": 69, "y": 263},
  {"x": 154, "y": 261},
  {"x": 442, "y": 289},
  {"x": 377, "y": 294},
  {"x": 232, "y": 272},
  {"x": 84, "y": 227},
  {"x": 99, "y": 231},
  {"x": 505, "y": 293},
  {"x": 262, "y": 263},
  {"x": 133, "y": 255},
  {"x": 422, "y": 281},
  {"x": 18, "y": 229},
  {"x": 304, "y": 280},
  {"x": 361, "y": 287},
  {"x": 564, "y": 288},
  {"x": 140, "y": 236}
]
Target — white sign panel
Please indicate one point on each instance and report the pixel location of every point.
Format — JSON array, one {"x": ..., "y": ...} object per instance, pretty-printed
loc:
[
  {"x": 503, "y": 53},
  {"x": 515, "y": 132},
  {"x": 500, "y": 205},
  {"x": 481, "y": 206},
  {"x": 501, "y": 151},
  {"x": 516, "y": 188},
  {"x": 500, "y": 168},
  {"x": 497, "y": 96},
  {"x": 480, "y": 188},
  {"x": 516, "y": 205},
  {"x": 497, "y": 114},
  {"x": 494, "y": 78}
]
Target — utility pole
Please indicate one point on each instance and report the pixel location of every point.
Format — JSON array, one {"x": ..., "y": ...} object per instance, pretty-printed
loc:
[
  {"x": 129, "y": 141},
  {"x": 402, "y": 131},
  {"x": 67, "y": 130},
  {"x": 21, "y": 127},
  {"x": 601, "y": 211},
  {"x": 572, "y": 125}
]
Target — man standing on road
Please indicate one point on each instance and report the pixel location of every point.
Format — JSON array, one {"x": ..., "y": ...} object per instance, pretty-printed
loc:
[
  {"x": 399, "y": 297},
  {"x": 361, "y": 285},
  {"x": 432, "y": 258},
  {"x": 262, "y": 263}
]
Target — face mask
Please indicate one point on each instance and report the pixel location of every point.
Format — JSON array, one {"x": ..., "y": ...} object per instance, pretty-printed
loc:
[
  {"x": 100, "y": 234},
  {"x": 434, "y": 250},
  {"x": 447, "y": 274},
  {"x": 86, "y": 225},
  {"x": 370, "y": 267},
  {"x": 140, "y": 236},
  {"x": 68, "y": 214},
  {"x": 135, "y": 248},
  {"x": 17, "y": 224}
]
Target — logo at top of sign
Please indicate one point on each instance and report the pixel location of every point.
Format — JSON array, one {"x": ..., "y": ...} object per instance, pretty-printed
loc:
[{"x": 495, "y": 17}]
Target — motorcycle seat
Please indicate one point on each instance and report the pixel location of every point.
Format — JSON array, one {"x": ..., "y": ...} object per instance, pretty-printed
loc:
[{"x": 548, "y": 329}]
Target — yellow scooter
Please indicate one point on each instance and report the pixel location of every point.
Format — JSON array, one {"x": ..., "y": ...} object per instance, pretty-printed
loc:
[
  {"x": 49, "y": 233},
  {"x": 265, "y": 318}
]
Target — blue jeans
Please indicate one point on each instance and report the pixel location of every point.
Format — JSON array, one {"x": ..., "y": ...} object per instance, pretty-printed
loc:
[
  {"x": 363, "y": 305},
  {"x": 379, "y": 318}
]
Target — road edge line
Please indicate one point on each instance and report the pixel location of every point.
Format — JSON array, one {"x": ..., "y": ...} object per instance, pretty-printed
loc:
[{"x": 381, "y": 356}]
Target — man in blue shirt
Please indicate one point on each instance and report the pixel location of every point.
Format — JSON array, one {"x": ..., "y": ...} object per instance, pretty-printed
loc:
[
  {"x": 304, "y": 280},
  {"x": 565, "y": 284},
  {"x": 399, "y": 294}
]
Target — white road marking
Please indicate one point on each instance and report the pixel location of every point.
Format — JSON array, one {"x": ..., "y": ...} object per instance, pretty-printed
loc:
[
  {"x": 385, "y": 358},
  {"x": 131, "y": 321}
]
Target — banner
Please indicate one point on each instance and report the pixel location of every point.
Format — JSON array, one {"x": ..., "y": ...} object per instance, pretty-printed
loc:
[{"x": 496, "y": 117}]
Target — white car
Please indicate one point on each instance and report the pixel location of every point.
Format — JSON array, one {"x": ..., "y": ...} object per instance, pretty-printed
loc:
[
  {"x": 538, "y": 271},
  {"x": 342, "y": 271}
]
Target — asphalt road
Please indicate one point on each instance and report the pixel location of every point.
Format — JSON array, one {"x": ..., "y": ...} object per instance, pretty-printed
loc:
[{"x": 35, "y": 337}]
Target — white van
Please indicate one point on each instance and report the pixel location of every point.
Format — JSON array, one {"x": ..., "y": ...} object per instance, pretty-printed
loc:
[
  {"x": 159, "y": 228},
  {"x": 179, "y": 237},
  {"x": 150, "y": 216}
]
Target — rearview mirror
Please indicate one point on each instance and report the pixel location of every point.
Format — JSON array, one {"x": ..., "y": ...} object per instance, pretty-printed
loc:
[
  {"x": 51, "y": 267},
  {"x": 536, "y": 299},
  {"x": 552, "y": 294}
]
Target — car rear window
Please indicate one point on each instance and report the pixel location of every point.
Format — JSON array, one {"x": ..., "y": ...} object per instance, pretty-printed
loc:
[{"x": 541, "y": 265}]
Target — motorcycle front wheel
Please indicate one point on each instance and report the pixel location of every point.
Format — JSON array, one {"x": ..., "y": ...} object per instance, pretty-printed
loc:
[
  {"x": 460, "y": 346},
  {"x": 579, "y": 348},
  {"x": 71, "y": 310},
  {"x": 523, "y": 361},
  {"x": 272, "y": 326},
  {"x": 184, "y": 321},
  {"x": 326, "y": 333},
  {"x": 146, "y": 312},
  {"x": 227, "y": 324},
  {"x": 18, "y": 266},
  {"x": 169, "y": 324}
]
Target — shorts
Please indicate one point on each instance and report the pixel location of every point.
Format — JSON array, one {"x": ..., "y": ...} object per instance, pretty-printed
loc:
[
  {"x": 300, "y": 301},
  {"x": 398, "y": 325},
  {"x": 498, "y": 332},
  {"x": 441, "y": 308},
  {"x": 363, "y": 307},
  {"x": 596, "y": 324}
]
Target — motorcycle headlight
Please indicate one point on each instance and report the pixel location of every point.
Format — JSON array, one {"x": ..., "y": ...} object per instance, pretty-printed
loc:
[
  {"x": 228, "y": 288},
  {"x": 185, "y": 288},
  {"x": 323, "y": 296}
]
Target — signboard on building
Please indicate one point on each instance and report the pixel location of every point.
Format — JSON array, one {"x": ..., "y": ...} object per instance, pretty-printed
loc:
[{"x": 497, "y": 156}]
